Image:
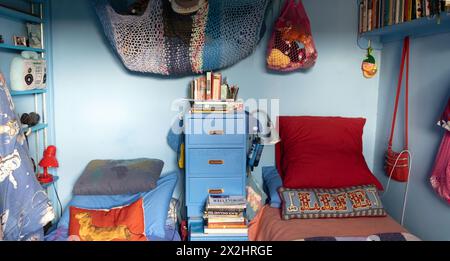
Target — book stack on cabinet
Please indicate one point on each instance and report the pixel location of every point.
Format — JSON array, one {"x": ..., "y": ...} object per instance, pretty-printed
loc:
[
  {"x": 225, "y": 214},
  {"x": 210, "y": 93}
]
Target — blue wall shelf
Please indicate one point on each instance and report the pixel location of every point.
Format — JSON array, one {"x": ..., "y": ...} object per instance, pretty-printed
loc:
[
  {"x": 7, "y": 12},
  {"x": 415, "y": 28},
  {"x": 31, "y": 92},
  {"x": 20, "y": 48}
]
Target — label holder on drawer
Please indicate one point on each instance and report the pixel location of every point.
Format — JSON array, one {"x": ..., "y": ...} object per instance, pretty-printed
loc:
[
  {"x": 216, "y": 191},
  {"x": 216, "y": 132},
  {"x": 216, "y": 162}
]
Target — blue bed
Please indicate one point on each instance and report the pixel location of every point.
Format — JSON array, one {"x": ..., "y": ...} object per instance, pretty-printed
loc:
[{"x": 160, "y": 211}]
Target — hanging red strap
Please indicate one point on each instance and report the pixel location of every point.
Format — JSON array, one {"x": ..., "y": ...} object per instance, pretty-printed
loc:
[{"x": 405, "y": 59}]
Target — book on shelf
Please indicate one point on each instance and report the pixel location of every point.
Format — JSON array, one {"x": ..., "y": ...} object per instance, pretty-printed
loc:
[
  {"x": 369, "y": 15},
  {"x": 216, "y": 86},
  {"x": 376, "y": 14},
  {"x": 209, "y": 85},
  {"x": 364, "y": 15},
  {"x": 361, "y": 18}
]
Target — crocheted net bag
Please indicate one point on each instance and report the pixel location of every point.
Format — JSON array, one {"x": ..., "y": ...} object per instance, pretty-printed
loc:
[{"x": 161, "y": 41}]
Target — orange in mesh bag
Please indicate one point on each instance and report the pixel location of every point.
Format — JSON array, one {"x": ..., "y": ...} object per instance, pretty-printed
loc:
[{"x": 291, "y": 45}]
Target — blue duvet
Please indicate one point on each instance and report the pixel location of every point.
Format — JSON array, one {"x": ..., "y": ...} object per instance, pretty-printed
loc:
[{"x": 24, "y": 205}]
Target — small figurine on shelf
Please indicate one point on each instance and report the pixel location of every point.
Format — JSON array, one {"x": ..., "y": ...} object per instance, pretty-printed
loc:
[
  {"x": 1, "y": 39},
  {"x": 48, "y": 161}
]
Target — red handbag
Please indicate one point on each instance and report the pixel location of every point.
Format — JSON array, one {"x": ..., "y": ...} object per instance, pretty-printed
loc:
[{"x": 397, "y": 164}]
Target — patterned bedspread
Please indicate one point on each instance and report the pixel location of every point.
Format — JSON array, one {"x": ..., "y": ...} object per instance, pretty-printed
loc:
[
  {"x": 269, "y": 226},
  {"x": 24, "y": 205}
]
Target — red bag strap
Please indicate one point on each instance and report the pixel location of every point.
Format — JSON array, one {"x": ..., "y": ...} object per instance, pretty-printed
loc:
[{"x": 405, "y": 58}]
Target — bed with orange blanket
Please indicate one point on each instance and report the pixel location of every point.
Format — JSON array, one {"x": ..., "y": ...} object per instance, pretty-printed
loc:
[{"x": 268, "y": 226}]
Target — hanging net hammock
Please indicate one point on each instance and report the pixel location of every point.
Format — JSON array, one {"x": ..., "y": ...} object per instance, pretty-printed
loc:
[{"x": 161, "y": 41}]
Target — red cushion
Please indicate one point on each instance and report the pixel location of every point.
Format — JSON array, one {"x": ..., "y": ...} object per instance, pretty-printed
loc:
[
  {"x": 125, "y": 223},
  {"x": 322, "y": 152}
]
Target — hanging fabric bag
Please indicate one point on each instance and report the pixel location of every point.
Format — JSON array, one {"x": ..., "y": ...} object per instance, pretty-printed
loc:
[
  {"x": 440, "y": 175},
  {"x": 217, "y": 34},
  {"x": 397, "y": 163},
  {"x": 291, "y": 46}
]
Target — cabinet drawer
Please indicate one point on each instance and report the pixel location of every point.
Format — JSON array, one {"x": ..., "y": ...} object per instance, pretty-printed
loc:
[
  {"x": 216, "y": 162},
  {"x": 198, "y": 189},
  {"x": 216, "y": 131}
]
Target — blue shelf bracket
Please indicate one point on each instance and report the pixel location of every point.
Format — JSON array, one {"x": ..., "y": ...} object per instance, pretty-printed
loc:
[{"x": 364, "y": 42}]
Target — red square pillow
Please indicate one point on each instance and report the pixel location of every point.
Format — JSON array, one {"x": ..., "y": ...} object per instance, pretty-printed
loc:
[
  {"x": 124, "y": 223},
  {"x": 322, "y": 152}
]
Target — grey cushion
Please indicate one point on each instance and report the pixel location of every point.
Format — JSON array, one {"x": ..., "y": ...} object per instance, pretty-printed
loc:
[{"x": 115, "y": 177}]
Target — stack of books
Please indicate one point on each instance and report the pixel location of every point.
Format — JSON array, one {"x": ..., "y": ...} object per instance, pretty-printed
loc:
[
  {"x": 210, "y": 93},
  {"x": 374, "y": 14},
  {"x": 212, "y": 87},
  {"x": 224, "y": 214}
]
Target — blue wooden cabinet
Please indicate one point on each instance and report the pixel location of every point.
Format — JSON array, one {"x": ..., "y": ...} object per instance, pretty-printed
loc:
[{"x": 216, "y": 154}]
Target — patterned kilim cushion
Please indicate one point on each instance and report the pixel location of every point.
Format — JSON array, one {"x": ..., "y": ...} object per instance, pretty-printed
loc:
[{"x": 358, "y": 201}]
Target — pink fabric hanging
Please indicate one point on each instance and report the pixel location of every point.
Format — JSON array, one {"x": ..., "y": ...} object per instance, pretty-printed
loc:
[
  {"x": 444, "y": 121},
  {"x": 440, "y": 175}
]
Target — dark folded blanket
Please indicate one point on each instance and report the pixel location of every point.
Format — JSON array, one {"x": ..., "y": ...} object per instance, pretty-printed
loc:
[{"x": 115, "y": 177}]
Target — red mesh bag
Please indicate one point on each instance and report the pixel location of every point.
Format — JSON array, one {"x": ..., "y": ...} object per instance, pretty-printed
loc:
[{"x": 291, "y": 45}]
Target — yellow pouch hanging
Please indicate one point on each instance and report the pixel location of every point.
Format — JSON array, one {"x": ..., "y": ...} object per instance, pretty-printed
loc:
[{"x": 181, "y": 156}]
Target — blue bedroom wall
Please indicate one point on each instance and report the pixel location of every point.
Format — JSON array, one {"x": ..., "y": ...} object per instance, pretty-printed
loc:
[
  {"x": 104, "y": 111},
  {"x": 426, "y": 214}
]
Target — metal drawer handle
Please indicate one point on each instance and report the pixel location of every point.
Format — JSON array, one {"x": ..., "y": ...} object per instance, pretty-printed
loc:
[
  {"x": 215, "y": 162},
  {"x": 216, "y": 132},
  {"x": 216, "y": 191}
]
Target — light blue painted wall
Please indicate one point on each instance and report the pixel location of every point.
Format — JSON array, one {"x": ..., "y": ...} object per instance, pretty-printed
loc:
[
  {"x": 104, "y": 111},
  {"x": 426, "y": 215}
]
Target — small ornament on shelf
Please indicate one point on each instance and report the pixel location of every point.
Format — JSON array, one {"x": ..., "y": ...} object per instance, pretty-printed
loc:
[
  {"x": 1, "y": 39},
  {"x": 34, "y": 35},
  {"x": 369, "y": 66}
]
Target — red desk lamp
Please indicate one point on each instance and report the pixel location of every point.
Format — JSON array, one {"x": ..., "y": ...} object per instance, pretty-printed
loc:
[{"x": 48, "y": 161}]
